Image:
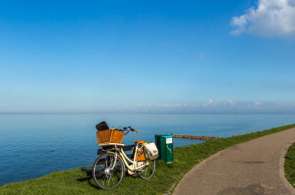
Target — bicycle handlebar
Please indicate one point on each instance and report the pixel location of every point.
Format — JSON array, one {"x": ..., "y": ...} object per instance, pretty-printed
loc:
[{"x": 128, "y": 129}]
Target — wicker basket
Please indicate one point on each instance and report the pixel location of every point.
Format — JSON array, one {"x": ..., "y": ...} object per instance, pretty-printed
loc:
[{"x": 109, "y": 136}]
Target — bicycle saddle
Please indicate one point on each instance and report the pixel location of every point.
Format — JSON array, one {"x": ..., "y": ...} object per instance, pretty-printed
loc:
[{"x": 139, "y": 141}]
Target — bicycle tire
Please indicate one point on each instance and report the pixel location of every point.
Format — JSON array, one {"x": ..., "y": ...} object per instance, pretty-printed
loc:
[
  {"x": 104, "y": 169},
  {"x": 149, "y": 171}
]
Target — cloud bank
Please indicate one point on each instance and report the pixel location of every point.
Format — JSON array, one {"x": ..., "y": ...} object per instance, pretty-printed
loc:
[
  {"x": 211, "y": 106},
  {"x": 221, "y": 107},
  {"x": 268, "y": 18}
]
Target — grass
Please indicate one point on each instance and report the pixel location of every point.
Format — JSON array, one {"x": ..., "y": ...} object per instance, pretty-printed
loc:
[
  {"x": 62, "y": 183},
  {"x": 290, "y": 165}
]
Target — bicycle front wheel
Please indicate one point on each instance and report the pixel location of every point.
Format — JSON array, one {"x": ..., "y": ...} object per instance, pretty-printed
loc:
[{"x": 108, "y": 171}]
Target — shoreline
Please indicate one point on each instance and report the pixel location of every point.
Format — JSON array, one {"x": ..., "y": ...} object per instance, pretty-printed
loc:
[{"x": 66, "y": 182}]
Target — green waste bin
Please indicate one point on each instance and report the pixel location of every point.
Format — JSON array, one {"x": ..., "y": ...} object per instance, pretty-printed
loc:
[{"x": 165, "y": 146}]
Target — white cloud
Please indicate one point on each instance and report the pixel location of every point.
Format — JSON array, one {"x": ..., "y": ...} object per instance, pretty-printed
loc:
[{"x": 268, "y": 18}]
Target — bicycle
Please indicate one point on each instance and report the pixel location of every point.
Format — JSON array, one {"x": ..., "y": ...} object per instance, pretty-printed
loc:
[{"x": 111, "y": 164}]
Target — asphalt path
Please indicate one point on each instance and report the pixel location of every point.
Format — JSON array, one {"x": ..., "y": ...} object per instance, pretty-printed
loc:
[{"x": 251, "y": 168}]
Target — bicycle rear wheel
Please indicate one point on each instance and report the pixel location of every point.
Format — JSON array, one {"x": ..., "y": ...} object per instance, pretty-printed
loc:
[
  {"x": 108, "y": 171},
  {"x": 149, "y": 170}
]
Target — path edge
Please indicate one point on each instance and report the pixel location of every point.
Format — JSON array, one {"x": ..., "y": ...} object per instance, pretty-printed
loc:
[
  {"x": 198, "y": 166},
  {"x": 282, "y": 167}
]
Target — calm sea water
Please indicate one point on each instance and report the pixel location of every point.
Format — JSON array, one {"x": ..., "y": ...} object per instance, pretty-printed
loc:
[{"x": 34, "y": 145}]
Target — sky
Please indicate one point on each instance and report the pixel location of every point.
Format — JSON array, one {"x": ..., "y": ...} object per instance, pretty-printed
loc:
[{"x": 166, "y": 56}]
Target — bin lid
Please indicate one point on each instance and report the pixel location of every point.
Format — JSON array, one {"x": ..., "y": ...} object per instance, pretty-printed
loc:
[
  {"x": 167, "y": 135},
  {"x": 164, "y": 136}
]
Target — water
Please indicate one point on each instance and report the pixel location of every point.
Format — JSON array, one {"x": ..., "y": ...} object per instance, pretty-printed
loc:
[{"x": 34, "y": 145}]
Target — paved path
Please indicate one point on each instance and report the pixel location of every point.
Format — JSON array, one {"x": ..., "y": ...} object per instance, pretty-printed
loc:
[{"x": 251, "y": 168}]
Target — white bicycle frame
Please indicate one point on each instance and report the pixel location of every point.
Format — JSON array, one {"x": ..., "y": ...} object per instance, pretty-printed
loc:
[{"x": 132, "y": 165}]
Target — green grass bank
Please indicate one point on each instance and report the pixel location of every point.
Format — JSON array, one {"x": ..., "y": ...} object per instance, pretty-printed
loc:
[
  {"x": 66, "y": 182},
  {"x": 290, "y": 165}
]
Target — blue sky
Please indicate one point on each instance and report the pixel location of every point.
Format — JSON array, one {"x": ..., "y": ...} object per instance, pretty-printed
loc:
[{"x": 145, "y": 55}]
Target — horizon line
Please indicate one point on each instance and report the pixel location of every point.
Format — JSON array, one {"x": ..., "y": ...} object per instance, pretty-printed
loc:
[{"x": 144, "y": 112}]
